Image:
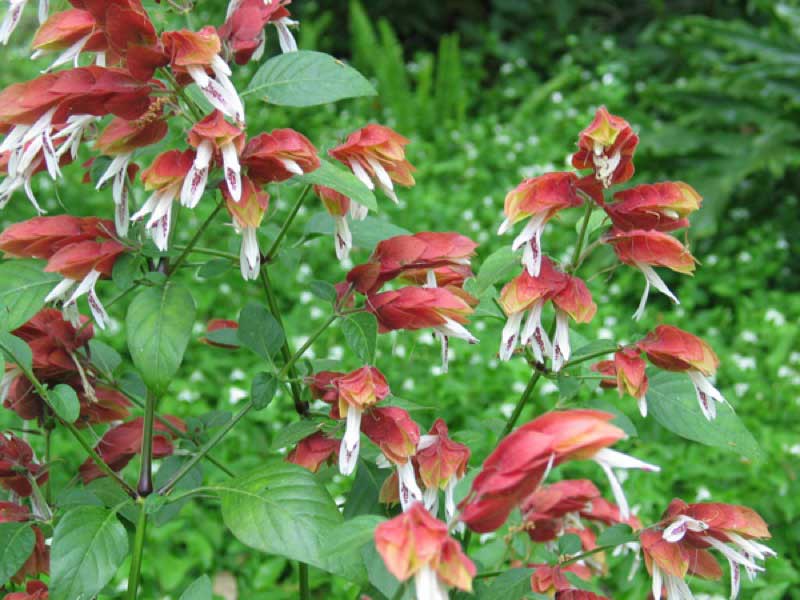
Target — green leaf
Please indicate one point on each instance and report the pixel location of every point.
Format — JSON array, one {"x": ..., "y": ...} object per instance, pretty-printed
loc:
[
  {"x": 362, "y": 499},
  {"x": 65, "y": 403},
  {"x": 214, "y": 268},
  {"x": 353, "y": 533},
  {"x": 293, "y": 433},
  {"x": 16, "y": 350},
  {"x": 282, "y": 509},
  {"x": 366, "y": 233},
  {"x": 307, "y": 78},
  {"x": 262, "y": 390},
  {"x": 125, "y": 270},
  {"x": 159, "y": 325},
  {"x": 104, "y": 357},
  {"x": 199, "y": 98},
  {"x": 259, "y": 331},
  {"x": 98, "y": 169},
  {"x": 361, "y": 334},
  {"x": 16, "y": 545},
  {"x": 672, "y": 402},
  {"x": 616, "y": 535},
  {"x": 23, "y": 288},
  {"x": 597, "y": 219},
  {"x": 323, "y": 290},
  {"x": 228, "y": 336},
  {"x": 200, "y": 589},
  {"x": 569, "y": 544},
  {"x": 89, "y": 545},
  {"x": 514, "y": 583},
  {"x": 568, "y": 387},
  {"x": 498, "y": 266},
  {"x": 342, "y": 181}
]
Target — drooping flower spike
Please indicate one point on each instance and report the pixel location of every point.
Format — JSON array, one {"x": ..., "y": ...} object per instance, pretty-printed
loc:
[
  {"x": 661, "y": 206},
  {"x": 626, "y": 372},
  {"x": 164, "y": 178},
  {"x": 680, "y": 544},
  {"x": 357, "y": 391},
  {"x": 606, "y": 146},
  {"x": 528, "y": 294},
  {"x": 247, "y": 213},
  {"x": 394, "y": 431},
  {"x": 538, "y": 199},
  {"x": 194, "y": 53},
  {"x": 279, "y": 155},
  {"x": 243, "y": 31},
  {"x": 415, "y": 544},
  {"x": 673, "y": 349},
  {"x": 376, "y": 155},
  {"x": 119, "y": 140},
  {"x": 645, "y": 249},
  {"x": 442, "y": 464},
  {"x": 211, "y": 137}
]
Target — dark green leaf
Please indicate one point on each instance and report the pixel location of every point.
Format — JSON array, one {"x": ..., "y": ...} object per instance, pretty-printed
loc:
[
  {"x": 361, "y": 334},
  {"x": 15, "y": 350},
  {"x": 672, "y": 402},
  {"x": 343, "y": 182},
  {"x": 568, "y": 387},
  {"x": 353, "y": 533},
  {"x": 569, "y": 544},
  {"x": 407, "y": 405},
  {"x": 616, "y": 535},
  {"x": 323, "y": 290},
  {"x": 362, "y": 498},
  {"x": 89, "y": 545},
  {"x": 104, "y": 357},
  {"x": 307, "y": 78},
  {"x": 65, "y": 403},
  {"x": 228, "y": 336},
  {"x": 23, "y": 288},
  {"x": 199, "y": 589},
  {"x": 620, "y": 419},
  {"x": 126, "y": 269},
  {"x": 159, "y": 325},
  {"x": 262, "y": 390},
  {"x": 293, "y": 433},
  {"x": 16, "y": 545},
  {"x": 214, "y": 268},
  {"x": 498, "y": 266},
  {"x": 259, "y": 331},
  {"x": 366, "y": 233},
  {"x": 514, "y": 583},
  {"x": 283, "y": 509}
]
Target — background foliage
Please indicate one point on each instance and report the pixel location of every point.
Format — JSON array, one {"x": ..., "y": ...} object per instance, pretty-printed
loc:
[{"x": 490, "y": 92}]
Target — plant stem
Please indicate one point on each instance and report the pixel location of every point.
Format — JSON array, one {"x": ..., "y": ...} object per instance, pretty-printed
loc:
[
  {"x": 138, "y": 550},
  {"x": 285, "y": 227},
  {"x": 576, "y": 255},
  {"x": 583, "y": 555},
  {"x": 305, "y": 590},
  {"x": 205, "y": 449},
  {"x": 523, "y": 399},
  {"x": 145, "y": 486},
  {"x": 299, "y": 354},
  {"x": 582, "y": 359},
  {"x": 188, "y": 248},
  {"x": 48, "y": 457},
  {"x": 211, "y": 252},
  {"x": 488, "y": 574},
  {"x": 299, "y": 405}
]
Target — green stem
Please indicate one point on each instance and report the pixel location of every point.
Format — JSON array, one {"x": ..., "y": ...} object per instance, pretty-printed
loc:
[
  {"x": 211, "y": 252},
  {"x": 299, "y": 354},
  {"x": 305, "y": 590},
  {"x": 48, "y": 455},
  {"x": 488, "y": 574},
  {"x": 145, "y": 486},
  {"x": 138, "y": 551},
  {"x": 523, "y": 400},
  {"x": 178, "y": 89},
  {"x": 286, "y": 224},
  {"x": 583, "y": 555},
  {"x": 584, "y": 358},
  {"x": 205, "y": 449},
  {"x": 188, "y": 248},
  {"x": 576, "y": 256},
  {"x": 299, "y": 405}
]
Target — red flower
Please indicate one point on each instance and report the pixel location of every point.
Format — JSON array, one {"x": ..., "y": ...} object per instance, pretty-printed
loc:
[
  {"x": 414, "y": 308},
  {"x": 545, "y": 507},
  {"x": 673, "y": 349},
  {"x": 442, "y": 463},
  {"x": 121, "y": 443},
  {"x": 337, "y": 206},
  {"x": 416, "y": 544},
  {"x": 606, "y": 146},
  {"x": 574, "y": 300},
  {"x": 376, "y": 154},
  {"x": 17, "y": 465},
  {"x": 539, "y": 199},
  {"x": 70, "y": 31},
  {"x": 311, "y": 452},
  {"x": 42, "y": 237},
  {"x": 661, "y": 206},
  {"x": 279, "y": 155},
  {"x": 645, "y": 249}
]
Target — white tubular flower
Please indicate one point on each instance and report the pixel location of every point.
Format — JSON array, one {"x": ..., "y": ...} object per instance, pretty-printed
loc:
[
  {"x": 348, "y": 451},
  {"x": 407, "y": 484},
  {"x": 68, "y": 291},
  {"x": 195, "y": 182},
  {"x": 654, "y": 279},
  {"x": 358, "y": 211},
  {"x": 343, "y": 239},
  {"x": 249, "y": 254},
  {"x": 428, "y": 586},
  {"x": 706, "y": 393},
  {"x": 510, "y": 335},
  {"x": 11, "y": 20},
  {"x": 611, "y": 459},
  {"x": 219, "y": 90},
  {"x": 530, "y": 237},
  {"x": 285, "y": 37},
  {"x": 679, "y": 528},
  {"x": 232, "y": 169},
  {"x": 534, "y": 333},
  {"x": 561, "y": 346}
]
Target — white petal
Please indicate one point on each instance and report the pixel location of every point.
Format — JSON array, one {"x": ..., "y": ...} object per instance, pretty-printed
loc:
[
  {"x": 250, "y": 255},
  {"x": 451, "y": 328},
  {"x": 619, "y": 460},
  {"x": 732, "y": 554},
  {"x": 504, "y": 226},
  {"x": 343, "y": 239},
  {"x": 736, "y": 579},
  {"x": 291, "y": 166},
  {"x": 407, "y": 482},
  {"x": 534, "y": 225},
  {"x": 430, "y": 498},
  {"x": 642, "y": 302},
  {"x": 61, "y": 290},
  {"x": 194, "y": 185},
  {"x": 450, "y": 509},
  {"x": 642, "y": 402},
  {"x": 348, "y": 451},
  {"x": 535, "y": 334},
  {"x": 510, "y": 335},
  {"x": 617, "y": 491},
  {"x": 656, "y": 281},
  {"x": 44, "y": 8},
  {"x": 561, "y": 347},
  {"x": 233, "y": 176},
  {"x": 285, "y": 37},
  {"x": 383, "y": 177},
  {"x": 362, "y": 175},
  {"x": 358, "y": 211},
  {"x": 428, "y": 586}
]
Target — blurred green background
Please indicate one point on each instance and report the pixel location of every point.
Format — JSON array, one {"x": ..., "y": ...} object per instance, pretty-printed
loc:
[{"x": 489, "y": 93}]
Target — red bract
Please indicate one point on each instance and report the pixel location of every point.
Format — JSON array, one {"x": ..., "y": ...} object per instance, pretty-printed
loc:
[
  {"x": 539, "y": 199},
  {"x": 17, "y": 465},
  {"x": 673, "y": 349},
  {"x": 220, "y": 325},
  {"x": 38, "y": 563},
  {"x": 279, "y": 155},
  {"x": 424, "y": 251},
  {"x": 53, "y": 342},
  {"x": 34, "y": 590},
  {"x": 121, "y": 443},
  {"x": 41, "y": 237},
  {"x": 247, "y": 215},
  {"x": 70, "y": 31},
  {"x": 544, "y": 509},
  {"x": 311, "y": 452},
  {"x": 627, "y": 374},
  {"x": 414, "y": 308},
  {"x": 574, "y": 301},
  {"x": 416, "y": 544},
  {"x": 11, "y": 512},
  {"x": 661, "y": 206},
  {"x": 549, "y": 580},
  {"x": 606, "y": 146},
  {"x": 105, "y": 405},
  {"x": 193, "y": 53},
  {"x": 164, "y": 178},
  {"x": 243, "y": 31},
  {"x": 376, "y": 155},
  {"x": 358, "y": 391},
  {"x": 323, "y": 387},
  {"x": 212, "y": 137},
  {"x": 645, "y": 249}
]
